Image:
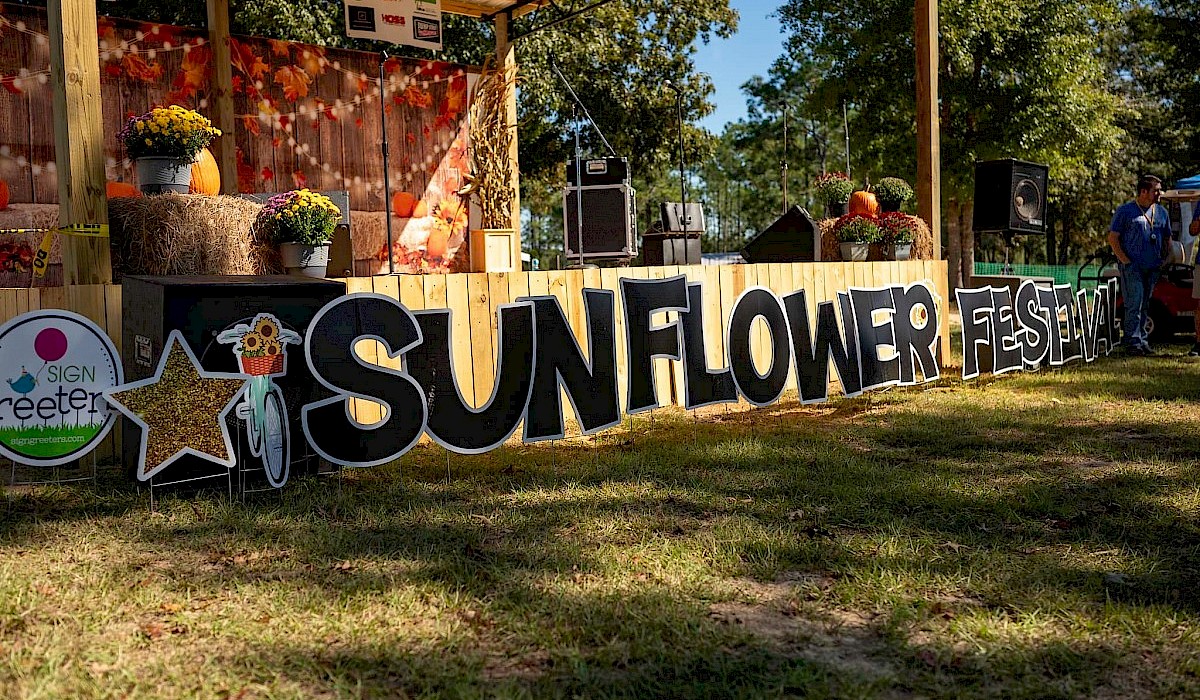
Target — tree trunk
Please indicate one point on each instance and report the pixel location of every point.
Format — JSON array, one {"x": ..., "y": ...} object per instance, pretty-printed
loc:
[
  {"x": 968, "y": 241},
  {"x": 953, "y": 244},
  {"x": 1051, "y": 234}
]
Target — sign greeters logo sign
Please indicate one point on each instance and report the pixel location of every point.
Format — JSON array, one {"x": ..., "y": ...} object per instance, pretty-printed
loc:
[
  {"x": 1041, "y": 325},
  {"x": 57, "y": 366},
  {"x": 407, "y": 22}
]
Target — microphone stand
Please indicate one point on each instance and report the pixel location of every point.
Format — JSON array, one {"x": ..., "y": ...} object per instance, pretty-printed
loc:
[
  {"x": 682, "y": 211},
  {"x": 387, "y": 189},
  {"x": 576, "y": 102}
]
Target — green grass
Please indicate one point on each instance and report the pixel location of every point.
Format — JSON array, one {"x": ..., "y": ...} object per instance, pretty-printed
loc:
[
  {"x": 75, "y": 435},
  {"x": 1030, "y": 537}
]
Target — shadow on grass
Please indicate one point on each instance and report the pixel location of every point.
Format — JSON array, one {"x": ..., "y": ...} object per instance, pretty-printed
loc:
[{"x": 866, "y": 492}]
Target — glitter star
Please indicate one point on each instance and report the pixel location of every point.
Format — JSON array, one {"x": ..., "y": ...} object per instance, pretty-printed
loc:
[{"x": 181, "y": 410}]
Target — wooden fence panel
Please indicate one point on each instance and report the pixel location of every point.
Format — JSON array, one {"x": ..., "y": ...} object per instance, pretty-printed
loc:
[{"x": 474, "y": 298}]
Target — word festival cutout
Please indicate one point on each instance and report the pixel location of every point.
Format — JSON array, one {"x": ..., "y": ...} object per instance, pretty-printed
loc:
[{"x": 1042, "y": 325}]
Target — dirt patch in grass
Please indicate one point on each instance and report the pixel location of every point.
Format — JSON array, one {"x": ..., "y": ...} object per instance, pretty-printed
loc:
[{"x": 841, "y": 639}]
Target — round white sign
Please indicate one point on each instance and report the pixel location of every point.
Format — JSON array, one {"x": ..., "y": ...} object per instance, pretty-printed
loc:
[{"x": 56, "y": 365}]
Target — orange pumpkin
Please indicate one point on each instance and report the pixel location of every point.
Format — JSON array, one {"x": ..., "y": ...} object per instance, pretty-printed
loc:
[
  {"x": 206, "y": 176},
  {"x": 438, "y": 243},
  {"x": 402, "y": 204},
  {"x": 420, "y": 210},
  {"x": 3, "y": 195},
  {"x": 863, "y": 202},
  {"x": 120, "y": 189}
]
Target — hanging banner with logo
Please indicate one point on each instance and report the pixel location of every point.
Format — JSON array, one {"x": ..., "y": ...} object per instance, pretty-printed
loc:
[
  {"x": 407, "y": 22},
  {"x": 57, "y": 366}
]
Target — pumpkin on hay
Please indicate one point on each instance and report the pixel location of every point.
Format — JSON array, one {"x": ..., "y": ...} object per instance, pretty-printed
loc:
[
  {"x": 3, "y": 195},
  {"x": 114, "y": 189},
  {"x": 206, "y": 176},
  {"x": 403, "y": 204},
  {"x": 865, "y": 203}
]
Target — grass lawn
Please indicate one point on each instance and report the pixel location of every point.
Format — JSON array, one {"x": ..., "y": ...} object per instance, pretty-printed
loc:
[{"x": 1030, "y": 537}]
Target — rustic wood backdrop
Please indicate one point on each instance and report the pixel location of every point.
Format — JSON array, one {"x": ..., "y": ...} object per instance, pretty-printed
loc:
[{"x": 308, "y": 116}]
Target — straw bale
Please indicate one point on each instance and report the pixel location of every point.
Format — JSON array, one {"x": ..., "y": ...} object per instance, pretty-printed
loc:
[
  {"x": 831, "y": 249},
  {"x": 174, "y": 234}
]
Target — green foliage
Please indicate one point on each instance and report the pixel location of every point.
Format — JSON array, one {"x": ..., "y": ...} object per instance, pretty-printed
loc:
[
  {"x": 857, "y": 228},
  {"x": 893, "y": 190},
  {"x": 300, "y": 216},
  {"x": 834, "y": 187},
  {"x": 168, "y": 132},
  {"x": 897, "y": 228}
]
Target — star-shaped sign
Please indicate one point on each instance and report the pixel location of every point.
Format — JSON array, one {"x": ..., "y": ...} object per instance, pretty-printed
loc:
[{"x": 181, "y": 410}]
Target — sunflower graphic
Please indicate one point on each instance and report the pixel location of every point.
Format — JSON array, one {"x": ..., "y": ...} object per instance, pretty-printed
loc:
[{"x": 261, "y": 345}]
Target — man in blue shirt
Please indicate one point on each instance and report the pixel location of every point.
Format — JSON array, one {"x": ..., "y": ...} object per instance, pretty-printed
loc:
[{"x": 1139, "y": 235}]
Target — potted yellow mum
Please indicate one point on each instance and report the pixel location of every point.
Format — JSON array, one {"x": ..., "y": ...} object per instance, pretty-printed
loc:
[
  {"x": 164, "y": 143},
  {"x": 302, "y": 223}
]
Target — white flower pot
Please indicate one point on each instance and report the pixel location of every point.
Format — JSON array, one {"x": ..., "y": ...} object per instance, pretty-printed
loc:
[
  {"x": 856, "y": 252},
  {"x": 157, "y": 175},
  {"x": 305, "y": 260}
]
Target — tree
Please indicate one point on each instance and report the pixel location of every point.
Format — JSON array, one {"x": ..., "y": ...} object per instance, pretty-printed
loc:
[{"x": 1016, "y": 79}]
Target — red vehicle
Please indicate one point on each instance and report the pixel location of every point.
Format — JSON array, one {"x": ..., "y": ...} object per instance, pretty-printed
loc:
[{"x": 1172, "y": 307}]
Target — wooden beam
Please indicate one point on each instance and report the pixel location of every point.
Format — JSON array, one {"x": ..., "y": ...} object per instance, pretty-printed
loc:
[
  {"x": 222, "y": 93},
  {"x": 79, "y": 137},
  {"x": 929, "y": 158},
  {"x": 506, "y": 57}
]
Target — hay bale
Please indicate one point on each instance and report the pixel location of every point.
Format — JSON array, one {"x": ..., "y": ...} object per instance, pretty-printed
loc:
[
  {"x": 179, "y": 234},
  {"x": 831, "y": 248}
]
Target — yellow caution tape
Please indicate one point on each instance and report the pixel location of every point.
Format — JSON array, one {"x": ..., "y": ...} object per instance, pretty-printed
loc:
[
  {"x": 88, "y": 230},
  {"x": 42, "y": 257}
]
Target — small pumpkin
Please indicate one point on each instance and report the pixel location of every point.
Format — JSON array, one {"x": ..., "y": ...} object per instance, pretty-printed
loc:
[
  {"x": 3, "y": 195},
  {"x": 403, "y": 204},
  {"x": 114, "y": 189},
  {"x": 865, "y": 203},
  {"x": 206, "y": 175},
  {"x": 420, "y": 210},
  {"x": 439, "y": 242}
]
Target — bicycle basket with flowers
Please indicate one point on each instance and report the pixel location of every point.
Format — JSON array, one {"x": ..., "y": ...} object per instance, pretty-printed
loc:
[{"x": 260, "y": 345}]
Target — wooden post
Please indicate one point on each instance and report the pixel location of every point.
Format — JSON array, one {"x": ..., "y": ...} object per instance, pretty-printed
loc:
[
  {"x": 929, "y": 158},
  {"x": 79, "y": 137},
  {"x": 506, "y": 58},
  {"x": 222, "y": 93}
]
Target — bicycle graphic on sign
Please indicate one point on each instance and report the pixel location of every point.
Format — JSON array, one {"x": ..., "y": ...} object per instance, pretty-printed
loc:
[{"x": 261, "y": 349}]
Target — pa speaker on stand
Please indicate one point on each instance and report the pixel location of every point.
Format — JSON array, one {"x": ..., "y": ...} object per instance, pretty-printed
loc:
[{"x": 1010, "y": 197}]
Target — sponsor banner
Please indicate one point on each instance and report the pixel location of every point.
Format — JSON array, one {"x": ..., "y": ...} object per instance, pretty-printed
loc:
[{"x": 406, "y": 22}]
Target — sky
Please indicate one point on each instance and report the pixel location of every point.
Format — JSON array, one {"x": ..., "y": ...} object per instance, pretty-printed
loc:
[{"x": 731, "y": 62}]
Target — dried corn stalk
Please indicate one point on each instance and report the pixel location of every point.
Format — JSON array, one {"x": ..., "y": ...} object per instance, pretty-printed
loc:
[{"x": 491, "y": 141}]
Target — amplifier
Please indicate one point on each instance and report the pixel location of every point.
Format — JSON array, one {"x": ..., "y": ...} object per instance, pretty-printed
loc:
[
  {"x": 609, "y": 225},
  {"x": 600, "y": 171}
]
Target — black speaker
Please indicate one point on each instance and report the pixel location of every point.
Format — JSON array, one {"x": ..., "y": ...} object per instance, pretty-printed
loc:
[
  {"x": 609, "y": 225},
  {"x": 688, "y": 218},
  {"x": 794, "y": 237},
  {"x": 1010, "y": 197},
  {"x": 671, "y": 249},
  {"x": 201, "y": 307},
  {"x": 600, "y": 171}
]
